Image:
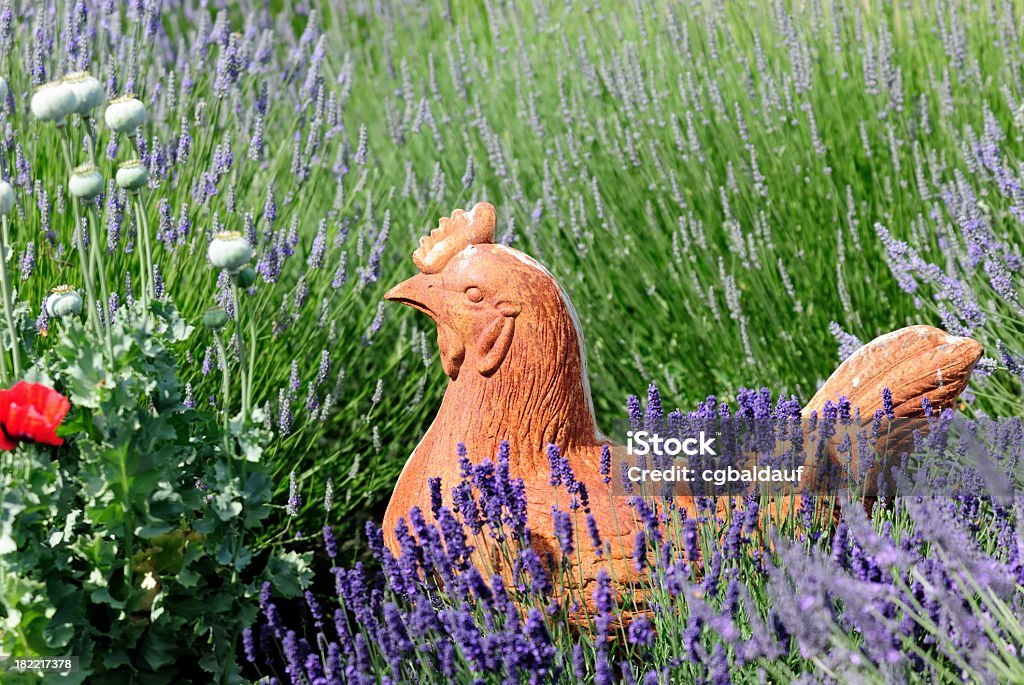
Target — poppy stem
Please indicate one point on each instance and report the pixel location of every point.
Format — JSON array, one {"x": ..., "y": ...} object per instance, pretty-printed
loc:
[
  {"x": 145, "y": 272},
  {"x": 226, "y": 389},
  {"x": 243, "y": 371},
  {"x": 97, "y": 262},
  {"x": 78, "y": 238},
  {"x": 90, "y": 127},
  {"x": 5, "y": 283},
  {"x": 146, "y": 246},
  {"x": 4, "y": 377}
]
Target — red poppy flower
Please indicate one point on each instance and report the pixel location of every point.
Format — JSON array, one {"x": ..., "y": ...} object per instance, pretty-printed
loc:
[{"x": 31, "y": 412}]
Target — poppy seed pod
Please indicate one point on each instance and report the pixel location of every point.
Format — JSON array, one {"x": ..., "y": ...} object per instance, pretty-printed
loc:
[
  {"x": 87, "y": 89},
  {"x": 6, "y": 198},
  {"x": 63, "y": 301},
  {"x": 246, "y": 277},
  {"x": 132, "y": 175},
  {"x": 86, "y": 182},
  {"x": 229, "y": 250},
  {"x": 215, "y": 318},
  {"x": 53, "y": 101},
  {"x": 125, "y": 114}
]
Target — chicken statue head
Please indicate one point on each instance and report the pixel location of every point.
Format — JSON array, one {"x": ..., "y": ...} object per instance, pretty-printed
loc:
[
  {"x": 507, "y": 335},
  {"x": 470, "y": 288}
]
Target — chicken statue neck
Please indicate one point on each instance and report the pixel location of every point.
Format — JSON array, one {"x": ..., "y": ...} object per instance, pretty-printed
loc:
[{"x": 512, "y": 348}]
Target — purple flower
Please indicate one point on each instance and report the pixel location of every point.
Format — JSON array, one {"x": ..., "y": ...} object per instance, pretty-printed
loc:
[
  {"x": 640, "y": 550},
  {"x": 341, "y": 273},
  {"x": 248, "y": 645},
  {"x": 690, "y": 540},
  {"x": 605, "y": 468},
  {"x": 641, "y": 632},
  {"x": 27, "y": 261},
  {"x": 330, "y": 545},
  {"x": 654, "y": 417},
  {"x": 595, "y": 535},
  {"x": 316, "y": 255},
  {"x": 887, "y": 405},
  {"x": 635, "y": 412},
  {"x": 434, "y": 484},
  {"x": 564, "y": 531}
]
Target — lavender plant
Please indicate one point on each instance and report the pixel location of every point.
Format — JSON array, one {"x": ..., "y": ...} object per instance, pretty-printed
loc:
[
  {"x": 926, "y": 590},
  {"x": 962, "y": 259}
]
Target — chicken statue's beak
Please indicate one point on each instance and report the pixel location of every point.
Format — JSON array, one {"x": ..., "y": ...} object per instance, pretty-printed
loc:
[{"x": 419, "y": 292}]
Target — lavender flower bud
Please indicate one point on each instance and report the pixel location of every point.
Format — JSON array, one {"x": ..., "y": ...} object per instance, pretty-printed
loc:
[
  {"x": 229, "y": 250},
  {"x": 132, "y": 175},
  {"x": 207, "y": 366},
  {"x": 3, "y": 89},
  {"x": 887, "y": 405},
  {"x": 86, "y": 182},
  {"x": 294, "y": 500},
  {"x": 125, "y": 114},
  {"x": 330, "y": 544},
  {"x": 53, "y": 101},
  {"x": 63, "y": 301},
  {"x": 87, "y": 89},
  {"x": 6, "y": 198},
  {"x": 158, "y": 283},
  {"x": 329, "y": 496},
  {"x": 27, "y": 261}
]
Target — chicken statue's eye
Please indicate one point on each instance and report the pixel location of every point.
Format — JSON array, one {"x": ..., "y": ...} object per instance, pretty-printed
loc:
[{"x": 474, "y": 294}]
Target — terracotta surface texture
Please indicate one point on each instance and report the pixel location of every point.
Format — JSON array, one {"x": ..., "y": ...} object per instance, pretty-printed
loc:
[{"x": 511, "y": 345}]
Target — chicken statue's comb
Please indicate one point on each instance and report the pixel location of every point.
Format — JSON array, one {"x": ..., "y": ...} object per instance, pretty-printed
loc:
[{"x": 453, "y": 234}]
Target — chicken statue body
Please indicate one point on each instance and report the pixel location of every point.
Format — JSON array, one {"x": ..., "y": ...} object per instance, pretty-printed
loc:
[{"x": 512, "y": 347}]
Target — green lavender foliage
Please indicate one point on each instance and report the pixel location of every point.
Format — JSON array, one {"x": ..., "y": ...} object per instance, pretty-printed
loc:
[{"x": 709, "y": 172}]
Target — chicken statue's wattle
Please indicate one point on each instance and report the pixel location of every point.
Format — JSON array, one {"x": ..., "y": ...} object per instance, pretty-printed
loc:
[{"x": 511, "y": 345}]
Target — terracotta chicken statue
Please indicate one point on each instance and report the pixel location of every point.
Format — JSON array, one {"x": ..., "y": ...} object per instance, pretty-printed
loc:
[{"x": 511, "y": 344}]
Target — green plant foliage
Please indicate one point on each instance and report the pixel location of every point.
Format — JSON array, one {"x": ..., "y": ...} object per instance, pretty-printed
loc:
[{"x": 136, "y": 539}]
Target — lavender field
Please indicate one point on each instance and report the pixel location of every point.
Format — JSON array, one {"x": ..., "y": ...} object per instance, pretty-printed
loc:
[{"x": 205, "y": 401}]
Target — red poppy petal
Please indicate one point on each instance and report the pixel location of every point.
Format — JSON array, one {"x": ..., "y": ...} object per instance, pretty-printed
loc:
[
  {"x": 54, "y": 408},
  {"x": 23, "y": 421},
  {"x": 6, "y": 443},
  {"x": 5, "y": 403},
  {"x": 33, "y": 411}
]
